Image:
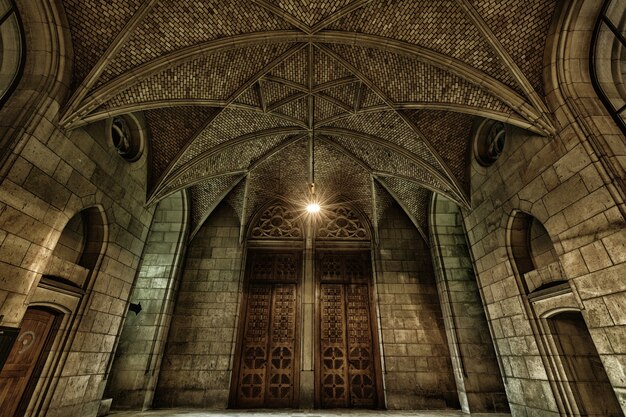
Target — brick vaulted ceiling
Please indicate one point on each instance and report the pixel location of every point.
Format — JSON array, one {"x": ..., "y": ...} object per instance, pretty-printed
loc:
[{"x": 232, "y": 90}]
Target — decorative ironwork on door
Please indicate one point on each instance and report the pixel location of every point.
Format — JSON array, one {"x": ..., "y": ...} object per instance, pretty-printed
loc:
[
  {"x": 347, "y": 374},
  {"x": 268, "y": 357}
]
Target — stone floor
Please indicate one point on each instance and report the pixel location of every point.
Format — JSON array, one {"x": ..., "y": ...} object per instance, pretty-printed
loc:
[{"x": 296, "y": 413}]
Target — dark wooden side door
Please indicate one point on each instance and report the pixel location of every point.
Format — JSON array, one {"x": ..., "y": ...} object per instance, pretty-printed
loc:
[
  {"x": 23, "y": 359},
  {"x": 348, "y": 373},
  {"x": 267, "y": 372}
]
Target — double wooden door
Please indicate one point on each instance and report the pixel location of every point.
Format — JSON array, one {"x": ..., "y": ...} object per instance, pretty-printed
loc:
[
  {"x": 24, "y": 361},
  {"x": 268, "y": 355},
  {"x": 347, "y": 365},
  {"x": 347, "y": 371}
]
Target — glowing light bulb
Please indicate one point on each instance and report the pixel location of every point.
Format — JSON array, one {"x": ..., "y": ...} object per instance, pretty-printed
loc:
[{"x": 313, "y": 208}]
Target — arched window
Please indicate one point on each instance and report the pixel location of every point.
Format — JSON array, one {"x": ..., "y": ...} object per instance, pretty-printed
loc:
[
  {"x": 11, "y": 48},
  {"x": 608, "y": 59}
]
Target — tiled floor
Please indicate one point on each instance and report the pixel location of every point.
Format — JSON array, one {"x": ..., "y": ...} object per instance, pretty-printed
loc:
[{"x": 297, "y": 413}]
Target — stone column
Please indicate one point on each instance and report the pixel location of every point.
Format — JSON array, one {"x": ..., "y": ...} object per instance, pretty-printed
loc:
[{"x": 307, "y": 339}]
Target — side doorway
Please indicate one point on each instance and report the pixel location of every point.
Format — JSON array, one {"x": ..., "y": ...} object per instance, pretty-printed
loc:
[{"x": 25, "y": 360}]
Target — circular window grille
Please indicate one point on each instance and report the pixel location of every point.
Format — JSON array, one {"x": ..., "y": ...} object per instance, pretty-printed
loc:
[
  {"x": 126, "y": 138},
  {"x": 489, "y": 142}
]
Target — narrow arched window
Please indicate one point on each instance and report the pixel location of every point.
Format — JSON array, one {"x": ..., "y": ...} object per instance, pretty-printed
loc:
[
  {"x": 608, "y": 60},
  {"x": 11, "y": 49}
]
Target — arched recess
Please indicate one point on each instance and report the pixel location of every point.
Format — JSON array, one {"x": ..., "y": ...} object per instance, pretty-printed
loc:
[
  {"x": 348, "y": 367},
  {"x": 78, "y": 251},
  {"x": 45, "y": 77},
  {"x": 196, "y": 366},
  {"x": 608, "y": 60},
  {"x": 572, "y": 98},
  {"x": 580, "y": 369},
  {"x": 55, "y": 306},
  {"x": 266, "y": 367},
  {"x": 576, "y": 373},
  {"x": 546, "y": 292},
  {"x": 414, "y": 344},
  {"x": 12, "y": 40},
  {"x": 476, "y": 368},
  {"x": 137, "y": 362},
  {"x": 533, "y": 254}
]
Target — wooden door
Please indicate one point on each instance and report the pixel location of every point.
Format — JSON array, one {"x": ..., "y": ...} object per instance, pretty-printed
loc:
[
  {"x": 347, "y": 360},
  {"x": 269, "y": 345},
  {"x": 20, "y": 365}
]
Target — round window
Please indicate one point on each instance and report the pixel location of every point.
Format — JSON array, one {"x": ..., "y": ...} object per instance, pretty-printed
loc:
[
  {"x": 126, "y": 137},
  {"x": 489, "y": 142}
]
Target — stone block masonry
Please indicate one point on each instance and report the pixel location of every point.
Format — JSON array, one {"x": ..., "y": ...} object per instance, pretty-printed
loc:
[
  {"x": 196, "y": 367},
  {"x": 418, "y": 371}
]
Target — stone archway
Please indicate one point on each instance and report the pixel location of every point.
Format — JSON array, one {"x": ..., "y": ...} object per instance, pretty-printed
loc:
[
  {"x": 289, "y": 261},
  {"x": 582, "y": 368}
]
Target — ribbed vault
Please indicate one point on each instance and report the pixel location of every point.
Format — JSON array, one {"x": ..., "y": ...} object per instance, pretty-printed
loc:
[{"x": 233, "y": 90}]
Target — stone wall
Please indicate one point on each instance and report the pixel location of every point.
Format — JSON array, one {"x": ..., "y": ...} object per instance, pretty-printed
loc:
[
  {"x": 196, "y": 368},
  {"x": 418, "y": 370},
  {"x": 139, "y": 353},
  {"x": 55, "y": 176},
  {"x": 478, "y": 379},
  {"x": 559, "y": 183}
]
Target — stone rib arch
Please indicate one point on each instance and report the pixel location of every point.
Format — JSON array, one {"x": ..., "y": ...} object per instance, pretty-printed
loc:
[{"x": 137, "y": 74}]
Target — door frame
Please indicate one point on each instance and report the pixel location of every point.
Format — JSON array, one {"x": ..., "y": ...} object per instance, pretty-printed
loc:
[
  {"x": 46, "y": 358},
  {"x": 348, "y": 247},
  {"x": 241, "y": 327}
]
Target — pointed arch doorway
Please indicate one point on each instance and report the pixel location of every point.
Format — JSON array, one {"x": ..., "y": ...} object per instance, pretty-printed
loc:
[{"x": 307, "y": 329}]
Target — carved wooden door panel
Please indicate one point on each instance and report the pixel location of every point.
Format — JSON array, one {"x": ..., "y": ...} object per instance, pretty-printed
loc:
[
  {"x": 347, "y": 355},
  {"x": 23, "y": 358},
  {"x": 269, "y": 347}
]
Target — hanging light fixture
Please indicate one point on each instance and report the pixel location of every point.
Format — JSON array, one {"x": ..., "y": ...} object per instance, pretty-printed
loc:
[{"x": 313, "y": 205}]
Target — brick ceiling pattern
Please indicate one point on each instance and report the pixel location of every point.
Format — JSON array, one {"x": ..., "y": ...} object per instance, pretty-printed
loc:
[
  {"x": 233, "y": 88},
  {"x": 440, "y": 26},
  {"x": 196, "y": 85},
  {"x": 171, "y": 128},
  {"x": 413, "y": 198},
  {"x": 310, "y": 12},
  {"x": 94, "y": 25},
  {"x": 236, "y": 198},
  {"x": 383, "y": 160},
  {"x": 451, "y": 131},
  {"x": 228, "y": 126},
  {"x": 522, "y": 28},
  {"x": 173, "y": 25},
  {"x": 205, "y": 195},
  {"x": 382, "y": 202},
  {"x": 282, "y": 176},
  {"x": 234, "y": 158},
  {"x": 341, "y": 178}
]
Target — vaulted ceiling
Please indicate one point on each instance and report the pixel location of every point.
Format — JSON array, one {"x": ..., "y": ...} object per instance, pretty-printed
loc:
[{"x": 232, "y": 91}]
